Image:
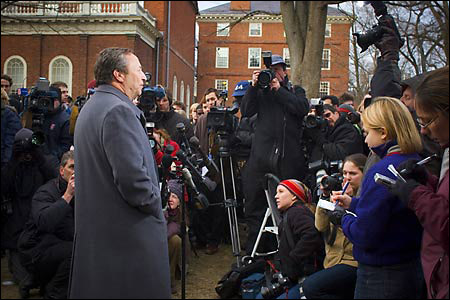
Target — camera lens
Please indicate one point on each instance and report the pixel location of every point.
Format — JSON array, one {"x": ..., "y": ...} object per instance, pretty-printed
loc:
[{"x": 264, "y": 78}]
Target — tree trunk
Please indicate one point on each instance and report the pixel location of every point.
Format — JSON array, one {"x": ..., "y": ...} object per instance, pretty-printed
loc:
[{"x": 304, "y": 24}]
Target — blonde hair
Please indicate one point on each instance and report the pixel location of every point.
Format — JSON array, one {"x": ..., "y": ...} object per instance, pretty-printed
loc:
[{"x": 393, "y": 116}]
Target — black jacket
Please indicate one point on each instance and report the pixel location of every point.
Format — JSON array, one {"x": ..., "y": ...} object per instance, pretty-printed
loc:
[
  {"x": 169, "y": 121},
  {"x": 57, "y": 136},
  {"x": 341, "y": 140},
  {"x": 386, "y": 80},
  {"x": 306, "y": 256},
  {"x": 277, "y": 145},
  {"x": 19, "y": 182},
  {"x": 51, "y": 221}
]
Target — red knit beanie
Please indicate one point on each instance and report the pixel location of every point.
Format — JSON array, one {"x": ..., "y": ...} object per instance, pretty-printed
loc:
[{"x": 298, "y": 189}]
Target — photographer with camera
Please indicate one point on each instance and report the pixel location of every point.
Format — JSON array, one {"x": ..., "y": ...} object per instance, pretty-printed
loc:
[
  {"x": 301, "y": 249},
  {"x": 386, "y": 236},
  {"x": 341, "y": 138},
  {"x": 337, "y": 279},
  {"x": 27, "y": 171},
  {"x": 276, "y": 147},
  {"x": 46, "y": 244}
]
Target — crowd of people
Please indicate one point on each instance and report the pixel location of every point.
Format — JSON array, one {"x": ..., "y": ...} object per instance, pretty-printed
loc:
[{"x": 378, "y": 241}]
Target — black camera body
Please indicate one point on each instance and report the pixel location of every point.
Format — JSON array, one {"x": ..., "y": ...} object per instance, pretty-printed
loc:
[
  {"x": 266, "y": 76},
  {"x": 332, "y": 182},
  {"x": 316, "y": 120},
  {"x": 42, "y": 97},
  {"x": 274, "y": 290},
  {"x": 370, "y": 37},
  {"x": 220, "y": 119},
  {"x": 331, "y": 167}
]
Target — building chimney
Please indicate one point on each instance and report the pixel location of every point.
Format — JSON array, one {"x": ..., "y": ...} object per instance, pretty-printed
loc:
[{"x": 240, "y": 5}]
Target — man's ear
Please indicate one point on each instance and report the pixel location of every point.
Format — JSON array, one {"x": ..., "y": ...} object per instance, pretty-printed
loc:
[{"x": 119, "y": 76}]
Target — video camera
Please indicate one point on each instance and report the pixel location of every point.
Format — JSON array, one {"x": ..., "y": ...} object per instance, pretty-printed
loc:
[
  {"x": 266, "y": 76},
  {"x": 316, "y": 120},
  {"x": 274, "y": 290},
  {"x": 366, "y": 39},
  {"x": 220, "y": 119}
]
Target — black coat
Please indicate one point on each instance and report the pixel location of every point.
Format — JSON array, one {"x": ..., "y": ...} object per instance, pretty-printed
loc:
[
  {"x": 51, "y": 220},
  {"x": 386, "y": 80},
  {"x": 19, "y": 182},
  {"x": 169, "y": 121},
  {"x": 306, "y": 257},
  {"x": 57, "y": 136},
  {"x": 342, "y": 140},
  {"x": 277, "y": 145}
]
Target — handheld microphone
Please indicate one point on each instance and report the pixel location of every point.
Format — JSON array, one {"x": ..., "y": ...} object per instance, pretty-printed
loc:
[{"x": 194, "y": 141}]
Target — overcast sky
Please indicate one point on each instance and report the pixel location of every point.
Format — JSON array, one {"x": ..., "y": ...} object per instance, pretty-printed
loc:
[{"x": 208, "y": 4}]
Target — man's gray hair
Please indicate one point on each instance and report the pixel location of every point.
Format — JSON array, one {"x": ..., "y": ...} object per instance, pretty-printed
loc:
[
  {"x": 110, "y": 59},
  {"x": 66, "y": 157}
]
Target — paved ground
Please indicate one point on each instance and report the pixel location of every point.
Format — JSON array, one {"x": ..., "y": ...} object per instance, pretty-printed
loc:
[{"x": 203, "y": 274}]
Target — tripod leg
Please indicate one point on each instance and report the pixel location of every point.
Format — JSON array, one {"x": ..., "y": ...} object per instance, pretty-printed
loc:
[{"x": 263, "y": 225}]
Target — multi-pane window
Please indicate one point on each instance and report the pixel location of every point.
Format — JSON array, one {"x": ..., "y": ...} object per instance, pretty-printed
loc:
[
  {"x": 328, "y": 30},
  {"x": 16, "y": 69},
  {"x": 221, "y": 57},
  {"x": 223, "y": 29},
  {"x": 324, "y": 88},
  {"x": 326, "y": 59},
  {"x": 255, "y": 29},
  {"x": 61, "y": 70},
  {"x": 254, "y": 57},
  {"x": 287, "y": 57},
  {"x": 221, "y": 84}
]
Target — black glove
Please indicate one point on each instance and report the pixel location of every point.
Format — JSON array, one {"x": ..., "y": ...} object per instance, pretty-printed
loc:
[
  {"x": 390, "y": 42},
  {"x": 402, "y": 190},
  {"x": 336, "y": 215},
  {"x": 411, "y": 170}
]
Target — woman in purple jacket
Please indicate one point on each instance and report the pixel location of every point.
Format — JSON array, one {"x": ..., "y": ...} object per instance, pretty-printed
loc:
[
  {"x": 386, "y": 236},
  {"x": 425, "y": 194}
]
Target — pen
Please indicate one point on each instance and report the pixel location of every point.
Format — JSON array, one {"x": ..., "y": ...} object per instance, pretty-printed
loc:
[
  {"x": 396, "y": 173},
  {"x": 426, "y": 160},
  {"x": 343, "y": 191}
]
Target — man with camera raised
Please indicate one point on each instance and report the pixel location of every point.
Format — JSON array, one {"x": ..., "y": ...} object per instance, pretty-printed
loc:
[{"x": 277, "y": 143}]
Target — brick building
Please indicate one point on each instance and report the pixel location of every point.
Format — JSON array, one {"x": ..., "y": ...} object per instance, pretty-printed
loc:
[
  {"x": 229, "y": 56},
  {"x": 61, "y": 40}
]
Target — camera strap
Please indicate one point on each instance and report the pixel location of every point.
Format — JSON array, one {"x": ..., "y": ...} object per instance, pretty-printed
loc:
[{"x": 288, "y": 232}]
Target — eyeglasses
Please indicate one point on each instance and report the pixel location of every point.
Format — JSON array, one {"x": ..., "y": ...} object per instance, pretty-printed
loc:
[{"x": 423, "y": 126}]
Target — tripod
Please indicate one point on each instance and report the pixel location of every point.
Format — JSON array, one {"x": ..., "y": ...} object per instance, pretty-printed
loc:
[{"x": 230, "y": 203}]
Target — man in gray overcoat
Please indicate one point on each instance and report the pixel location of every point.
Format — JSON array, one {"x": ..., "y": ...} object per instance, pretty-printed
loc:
[{"x": 120, "y": 246}]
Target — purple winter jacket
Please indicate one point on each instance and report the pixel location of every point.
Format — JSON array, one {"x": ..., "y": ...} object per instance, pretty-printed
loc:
[{"x": 430, "y": 204}]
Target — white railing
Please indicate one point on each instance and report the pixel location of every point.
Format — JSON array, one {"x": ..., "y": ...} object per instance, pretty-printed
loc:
[{"x": 73, "y": 8}]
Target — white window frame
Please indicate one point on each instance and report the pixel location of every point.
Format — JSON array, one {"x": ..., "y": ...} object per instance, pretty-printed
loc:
[
  {"x": 260, "y": 58},
  {"x": 328, "y": 30},
  {"x": 250, "y": 29},
  {"x": 221, "y": 80},
  {"x": 182, "y": 91},
  {"x": 188, "y": 98},
  {"x": 16, "y": 83},
  {"x": 322, "y": 88},
  {"x": 227, "y": 56},
  {"x": 175, "y": 88},
  {"x": 324, "y": 58},
  {"x": 287, "y": 57},
  {"x": 221, "y": 31},
  {"x": 52, "y": 76}
]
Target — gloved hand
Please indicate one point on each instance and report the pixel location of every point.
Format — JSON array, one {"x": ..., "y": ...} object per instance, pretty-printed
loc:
[
  {"x": 411, "y": 170},
  {"x": 336, "y": 215},
  {"x": 402, "y": 190},
  {"x": 390, "y": 42}
]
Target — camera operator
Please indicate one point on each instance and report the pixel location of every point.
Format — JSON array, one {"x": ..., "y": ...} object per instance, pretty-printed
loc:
[
  {"x": 28, "y": 170},
  {"x": 276, "y": 147},
  {"x": 337, "y": 279},
  {"x": 56, "y": 128},
  {"x": 301, "y": 249},
  {"x": 167, "y": 118},
  {"x": 46, "y": 243},
  {"x": 330, "y": 100},
  {"x": 210, "y": 99},
  {"x": 340, "y": 140}
]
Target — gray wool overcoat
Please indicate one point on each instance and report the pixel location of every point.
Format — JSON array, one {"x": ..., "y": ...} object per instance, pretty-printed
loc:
[{"x": 120, "y": 246}]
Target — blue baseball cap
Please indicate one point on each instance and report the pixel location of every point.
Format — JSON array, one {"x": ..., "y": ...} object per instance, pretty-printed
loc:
[
  {"x": 277, "y": 59},
  {"x": 241, "y": 88}
]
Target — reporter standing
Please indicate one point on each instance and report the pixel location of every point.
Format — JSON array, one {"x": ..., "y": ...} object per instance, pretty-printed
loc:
[
  {"x": 386, "y": 235},
  {"x": 120, "y": 245},
  {"x": 427, "y": 195}
]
